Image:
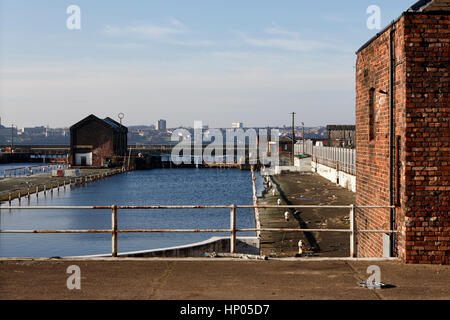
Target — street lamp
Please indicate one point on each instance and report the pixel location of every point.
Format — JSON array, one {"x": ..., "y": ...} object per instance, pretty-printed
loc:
[
  {"x": 12, "y": 137},
  {"x": 303, "y": 137},
  {"x": 293, "y": 137}
]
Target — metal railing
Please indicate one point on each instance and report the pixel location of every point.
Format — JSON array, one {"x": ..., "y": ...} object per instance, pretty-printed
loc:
[
  {"x": 30, "y": 170},
  {"x": 232, "y": 230},
  {"x": 341, "y": 159},
  {"x": 50, "y": 185}
]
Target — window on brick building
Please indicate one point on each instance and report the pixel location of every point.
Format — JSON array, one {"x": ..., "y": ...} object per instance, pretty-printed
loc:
[{"x": 371, "y": 114}]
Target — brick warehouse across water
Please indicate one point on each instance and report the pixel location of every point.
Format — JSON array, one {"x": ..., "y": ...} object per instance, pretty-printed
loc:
[{"x": 402, "y": 136}]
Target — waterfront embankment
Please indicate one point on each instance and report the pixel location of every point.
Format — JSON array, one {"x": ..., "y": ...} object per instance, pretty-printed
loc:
[
  {"x": 24, "y": 186},
  {"x": 305, "y": 189}
]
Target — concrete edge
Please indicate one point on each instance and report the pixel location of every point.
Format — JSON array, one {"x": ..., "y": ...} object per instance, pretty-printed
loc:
[
  {"x": 184, "y": 246},
  {"x": 216, "y": 259}
]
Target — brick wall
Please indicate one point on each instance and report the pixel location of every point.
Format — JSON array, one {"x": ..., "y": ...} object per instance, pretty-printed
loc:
[
  {"x": 427, "y": 134},
  {"x": 97, "y": 135},
  {"x": 421, "y": 52}
]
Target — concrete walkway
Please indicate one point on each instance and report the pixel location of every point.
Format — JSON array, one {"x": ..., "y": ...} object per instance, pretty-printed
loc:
[
  {"x": 219, "y": 279},
  {"x": 306, "y": 189},
  {"x": 14, "y": 184}
]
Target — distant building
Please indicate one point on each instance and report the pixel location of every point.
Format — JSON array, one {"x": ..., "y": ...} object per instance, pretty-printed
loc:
[
  {"x": 161, "y": 125},
  {"x": 97, "y": 142},
  {"x": 342, "y": 136},
  {"x": 402, "y": 137},
  {"x": 237, "y": 125},
  {"x": 285, "y": 144},
  {"x": 33, "y": 131}
]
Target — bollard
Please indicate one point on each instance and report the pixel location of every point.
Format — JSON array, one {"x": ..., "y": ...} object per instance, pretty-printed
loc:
[
  {"x": 9, "y": 199},
  {"x": 45, "y": 190},
  {"x": 279, "y": 202},
  {"x": 37, "y": 191},
  {"x": 64, "y": 184},
  {"x": 114, "y": 230},
  {"x": 286, "y": 216},
  {"x": 300, "y": 247},
  {"x": 19, "y": 198},
  {"x": 28, "y": 193},
  {"x": 233, "y": 228}
]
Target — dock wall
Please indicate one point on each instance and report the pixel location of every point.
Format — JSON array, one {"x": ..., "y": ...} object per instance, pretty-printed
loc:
[
  {"x": 244, "y": 245},
  {"x": 344, "y": 179}
]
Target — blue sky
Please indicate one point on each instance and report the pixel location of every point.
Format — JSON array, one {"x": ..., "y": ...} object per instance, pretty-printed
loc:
[{"x": 214, "y": 61}]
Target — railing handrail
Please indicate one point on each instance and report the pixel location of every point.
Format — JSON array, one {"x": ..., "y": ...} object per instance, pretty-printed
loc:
[
  {"x": 127, "y": 207},
  {"x": 232, "y": 230}
]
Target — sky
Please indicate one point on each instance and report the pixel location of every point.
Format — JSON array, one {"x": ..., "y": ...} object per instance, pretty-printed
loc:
[{"x": 250, "y": 61}]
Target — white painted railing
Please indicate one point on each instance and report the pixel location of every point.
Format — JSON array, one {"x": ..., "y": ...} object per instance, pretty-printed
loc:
[
  {"x": 232, "y": 230},
  {"x": 341, "y": 159}
]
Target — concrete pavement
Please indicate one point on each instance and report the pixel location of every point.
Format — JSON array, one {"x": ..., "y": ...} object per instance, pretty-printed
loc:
[{"x": 219, "y": 279}]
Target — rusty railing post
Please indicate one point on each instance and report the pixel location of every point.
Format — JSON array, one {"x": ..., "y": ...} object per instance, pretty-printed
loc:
[
  {"x": 353, "y": 233},
  {"x": 114, "y": 230},
  {"x": 233, "y": 228}
]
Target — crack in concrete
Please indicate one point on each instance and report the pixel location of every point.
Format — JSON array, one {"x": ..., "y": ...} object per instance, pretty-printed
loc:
[{"x": 161, "y": 280}]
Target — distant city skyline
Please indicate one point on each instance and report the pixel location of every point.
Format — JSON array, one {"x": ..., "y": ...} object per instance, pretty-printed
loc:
[{"x": 183, "y": 61}]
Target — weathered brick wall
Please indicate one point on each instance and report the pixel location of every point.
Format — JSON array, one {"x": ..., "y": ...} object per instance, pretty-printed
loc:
[
  {"x": 372, "y": 160},
  {"x": 426, "y": 170},
  {"x": 421, "y": 169},
  {"x": 100, "y": 137}
]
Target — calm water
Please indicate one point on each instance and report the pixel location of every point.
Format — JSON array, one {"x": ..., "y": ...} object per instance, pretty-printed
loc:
[{"x": 154, "y": 187}]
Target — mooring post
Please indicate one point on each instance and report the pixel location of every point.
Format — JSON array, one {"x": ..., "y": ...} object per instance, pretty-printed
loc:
[
  {"x": 37, "y": 191},
  {"x": 9, "y": 199},
  {"x": 19, "y": 196},
  {"x": 114, "y": 230},
  {"x": 45, "y": 189},
  {"x": 353, "y": 232},
  {"x": 233, "y": 228}
]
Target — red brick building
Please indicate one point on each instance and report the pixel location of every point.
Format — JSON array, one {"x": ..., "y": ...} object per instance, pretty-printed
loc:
[
  {"x": 403, "y": 137},
  {"x": 97, "y": 142}
]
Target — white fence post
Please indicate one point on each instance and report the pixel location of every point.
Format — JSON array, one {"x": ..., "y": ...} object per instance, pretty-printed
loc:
[
  {"x": 114, "y": 230},
  {"x": 233, "y": 228},
  {"x": 353, "y": 233}
]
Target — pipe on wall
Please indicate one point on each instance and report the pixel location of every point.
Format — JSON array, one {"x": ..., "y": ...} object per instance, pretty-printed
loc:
[{"x": 391, "y": 139}]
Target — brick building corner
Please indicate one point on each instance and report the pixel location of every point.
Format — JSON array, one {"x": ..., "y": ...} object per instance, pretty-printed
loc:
[{"x": 403, "y": 137}]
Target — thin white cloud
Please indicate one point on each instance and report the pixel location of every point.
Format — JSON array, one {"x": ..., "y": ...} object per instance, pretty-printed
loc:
[
  {"x": 277, "y": 30},
  {"x": 168, "y": 33},
  {"x": 149, "y": 31},
  {"x": 283, "y": 39}
]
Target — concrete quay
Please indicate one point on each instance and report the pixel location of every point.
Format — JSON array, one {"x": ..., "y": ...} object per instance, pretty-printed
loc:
[
  {"x": 219, "y": 279},
  {"x": 13, "y": 187},
  {"x": 305, "y": 188}
]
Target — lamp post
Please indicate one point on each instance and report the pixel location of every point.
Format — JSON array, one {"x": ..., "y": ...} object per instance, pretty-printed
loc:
[
  {"x": 303, "y": 137},
  {"x": 293, "y": 137},
  {"x": 12, "y": 137}
]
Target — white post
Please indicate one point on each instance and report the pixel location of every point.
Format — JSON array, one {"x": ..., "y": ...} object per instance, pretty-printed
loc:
[
  {"x": 353, "y": 233},
  {"x": 233, "y": 229},
  {"x": 114, "y": 230}
]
